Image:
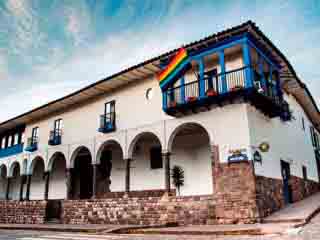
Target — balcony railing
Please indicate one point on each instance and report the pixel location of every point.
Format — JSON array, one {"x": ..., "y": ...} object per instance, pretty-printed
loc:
[
  {"x": 16, "y": 149},
  {"x": 32, "y": 144},
  {"x": 107, "y": 123},
  {"x": 55, "y": 137},
  {"x": 219, "y": 87}
]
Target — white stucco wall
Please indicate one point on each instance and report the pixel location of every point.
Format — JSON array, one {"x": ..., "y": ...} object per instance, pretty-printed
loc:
[
  {"x": 37, "y": 182},
  {"x": 192, "y": 154},
  {"x": 15, "y": 188},
  {"x": 57, "y": 182},
  {"x": 142, "y": 176},
  {"x": 118, "y": 171},
  {"x": 288, "y": 142}
]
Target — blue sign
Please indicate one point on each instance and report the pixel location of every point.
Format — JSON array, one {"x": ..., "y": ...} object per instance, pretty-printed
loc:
[{"x": 238, "y": 157}]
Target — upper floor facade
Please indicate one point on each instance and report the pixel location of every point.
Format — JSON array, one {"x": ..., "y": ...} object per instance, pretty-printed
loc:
[{"x": 225, "y": 81}]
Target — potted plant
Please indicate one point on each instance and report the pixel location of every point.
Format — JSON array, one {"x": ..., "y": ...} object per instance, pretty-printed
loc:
[
  {"x": 211, "y": 92},
  {"x": 177, "y": 175}
]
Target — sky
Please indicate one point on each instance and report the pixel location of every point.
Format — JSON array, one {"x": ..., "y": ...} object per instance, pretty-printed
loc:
[{"x": 50, "y": 48}]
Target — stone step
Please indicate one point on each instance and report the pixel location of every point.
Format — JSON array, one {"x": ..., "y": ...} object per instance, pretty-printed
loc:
[{"x": 54, "y": 221}]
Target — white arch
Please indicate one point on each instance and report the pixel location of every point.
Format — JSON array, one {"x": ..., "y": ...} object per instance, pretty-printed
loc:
[
  {"x": 52, "y": 159},
  {"x": 33, "y": 164},
  {"x": 137, "y": 138},
  {"x": 183, "y": 125},
  {"x": 104, "y": 145},
  {"x": 75, "y": 154},
  {"x": 11, "y": 168}
]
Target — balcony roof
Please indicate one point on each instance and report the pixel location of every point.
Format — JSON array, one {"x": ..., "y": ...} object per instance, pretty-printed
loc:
[{"x": 290, "y": 81}]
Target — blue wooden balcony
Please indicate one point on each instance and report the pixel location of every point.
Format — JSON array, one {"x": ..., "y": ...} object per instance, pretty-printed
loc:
[
  {"x": 55, "y": 137},
  {"x": 32, "y": 144},
  {"x": 107, "y": 123},
  {"x": 219, "y": 89},
  {"x": 16, "y": 149}
]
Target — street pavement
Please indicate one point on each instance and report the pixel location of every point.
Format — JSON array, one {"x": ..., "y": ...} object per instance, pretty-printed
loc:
[{"x": 309, "y": 232}]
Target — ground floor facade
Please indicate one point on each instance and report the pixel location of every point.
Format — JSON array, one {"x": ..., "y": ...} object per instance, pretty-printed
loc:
[{"x": 126, "y": 177}]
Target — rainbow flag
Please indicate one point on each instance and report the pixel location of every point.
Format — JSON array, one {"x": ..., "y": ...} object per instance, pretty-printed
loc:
[{"x": 175, "y": 66}]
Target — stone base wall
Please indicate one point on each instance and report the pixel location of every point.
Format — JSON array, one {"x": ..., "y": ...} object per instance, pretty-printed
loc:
[
  {"x": 269, "y": 195},
  {"x": 141, "y": 211},
  {"x": 235, "y": 193},
  {"x": 28, "y": 212},
  {"x": 302, "y": 188},
  {"x": 270, "y": 192},
  {"x": 137, "y": 194}
]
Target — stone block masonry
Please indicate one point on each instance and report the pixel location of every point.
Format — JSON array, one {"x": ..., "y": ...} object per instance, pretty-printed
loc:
[
  {"x": 269, "y": 195},
  {"x": 302, "y": 188},
  {"x": 27, "y": 212},
  {"x": 235, "y": 193},
  {"x": 193, "y": 210}
]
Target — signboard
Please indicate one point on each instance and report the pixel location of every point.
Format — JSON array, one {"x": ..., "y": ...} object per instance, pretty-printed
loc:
[{"x": 237, "y": 155}]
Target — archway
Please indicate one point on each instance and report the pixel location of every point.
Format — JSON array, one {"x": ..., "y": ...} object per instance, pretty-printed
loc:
[
  {"x": 111, "y": 168},
  {"x": 57, "y": 183},
  {"x": 147, "y": 170},
  {"x": 3, "y": 181},
  {"x": 14, "y": 192},
  {"x": 82, "y": 175},
  {"x": 37, "y": 185},
  {"x": 190, "y": 149}
]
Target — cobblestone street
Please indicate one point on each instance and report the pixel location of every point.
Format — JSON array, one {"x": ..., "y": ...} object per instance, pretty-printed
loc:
[{"x": 309, "y": 232}]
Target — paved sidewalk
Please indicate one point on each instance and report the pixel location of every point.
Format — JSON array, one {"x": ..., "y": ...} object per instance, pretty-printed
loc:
[
  {"x": 236, "y": 229},
  {"x": 299, "y": 212}
]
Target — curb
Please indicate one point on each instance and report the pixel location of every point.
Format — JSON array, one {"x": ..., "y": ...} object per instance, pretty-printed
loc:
[{"x": 255, "y": 232}]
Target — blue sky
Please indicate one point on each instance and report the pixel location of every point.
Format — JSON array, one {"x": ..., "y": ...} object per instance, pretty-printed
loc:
[{"x": 49, "y": 48}]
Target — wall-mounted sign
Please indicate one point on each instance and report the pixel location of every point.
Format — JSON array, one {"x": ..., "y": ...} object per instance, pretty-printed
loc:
[
  {"x": 264, "y": 147},
  {"x": 257, "y": 157},
  {"x": 237, "y": 155}
]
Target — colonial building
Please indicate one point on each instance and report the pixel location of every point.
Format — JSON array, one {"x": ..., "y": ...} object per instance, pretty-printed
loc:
[{"x": 228, "y": 110}]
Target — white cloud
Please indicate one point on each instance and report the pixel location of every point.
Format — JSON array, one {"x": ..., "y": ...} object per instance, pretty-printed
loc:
[
  {"x": 4, "y": 72},
  {"x": 77, "y": 23},
  {"x": 26, "y": 32}
]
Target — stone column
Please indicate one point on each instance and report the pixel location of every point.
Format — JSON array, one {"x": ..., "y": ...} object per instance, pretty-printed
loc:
[
  {"x": 166, "y": 161},
  {"x": 94, "y": 182},
  {"x": 46, "y": 186},
  {"x": 22, "y": 182},
  {"x": 28, "y": 187},
  {"x": 127, "y": 180},
  {"x": 8, "y": 188},
  {"x": 69, "y": 183}
]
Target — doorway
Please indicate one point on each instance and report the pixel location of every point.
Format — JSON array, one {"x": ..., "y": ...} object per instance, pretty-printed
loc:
[
  {"x": 83, "y": 175},
  {"x": 287, "y": 191}
]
